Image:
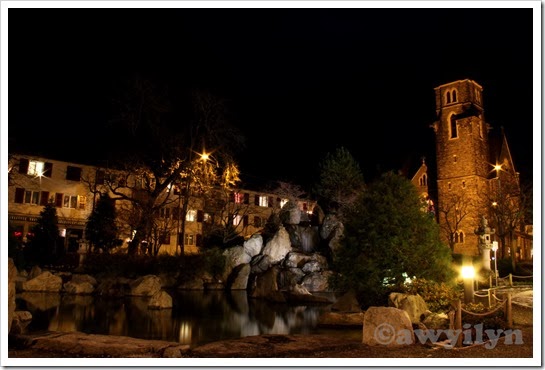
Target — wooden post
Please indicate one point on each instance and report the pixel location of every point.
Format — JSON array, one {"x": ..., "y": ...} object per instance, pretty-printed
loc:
[
  {"x": 510, "y": 279},
  {"x": 458, "y": 324},
  {"x": 489, "y": 298},
  {"x": 509, "y": 312}
]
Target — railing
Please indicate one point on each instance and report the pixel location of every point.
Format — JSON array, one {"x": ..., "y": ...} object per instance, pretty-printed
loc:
[{"x": 458, "y": 311}]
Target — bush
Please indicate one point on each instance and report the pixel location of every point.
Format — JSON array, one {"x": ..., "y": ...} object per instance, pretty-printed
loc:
[{"x": 438, "y": 296}]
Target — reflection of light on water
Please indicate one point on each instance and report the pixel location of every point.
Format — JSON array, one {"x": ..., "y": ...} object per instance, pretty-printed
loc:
[
  {"x": 62, "y": 322},
  {"x": 184, "y": 336}
]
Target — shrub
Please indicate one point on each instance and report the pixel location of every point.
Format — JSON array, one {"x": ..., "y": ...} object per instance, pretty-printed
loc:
[{"x": 438, "y": 296}]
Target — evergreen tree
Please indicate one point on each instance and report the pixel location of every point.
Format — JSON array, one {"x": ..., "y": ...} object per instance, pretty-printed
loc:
[
  {"x": 388, "y": 238},
  {"x": 341, "y": 181},
  {"x": 101, "y": 229},
  {"x": 44, "y": 246}
]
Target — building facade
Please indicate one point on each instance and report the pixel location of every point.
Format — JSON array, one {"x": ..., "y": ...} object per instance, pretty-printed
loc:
[{"x": 75, "y": 190}]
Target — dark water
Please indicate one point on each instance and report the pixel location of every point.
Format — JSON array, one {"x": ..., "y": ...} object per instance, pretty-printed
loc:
[{"x": 198, "y": 317}]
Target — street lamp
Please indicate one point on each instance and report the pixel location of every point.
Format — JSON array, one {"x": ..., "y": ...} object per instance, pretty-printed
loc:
[
  {"x": 468, "y": 273},
  {"x": 494, "y": 249}
]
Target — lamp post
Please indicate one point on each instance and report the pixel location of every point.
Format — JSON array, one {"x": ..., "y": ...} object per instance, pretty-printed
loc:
[
  {"x": 468, "y": 274},
  {"x": 494, "y": 249}
]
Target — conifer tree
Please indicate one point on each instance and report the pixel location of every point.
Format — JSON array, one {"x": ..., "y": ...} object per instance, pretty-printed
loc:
[
  {"x": 341, "y": 181},
  {"x": 387, "y": 239},
  {"x": 101, "y": 229},
  {"x": 44, "y": 246}
]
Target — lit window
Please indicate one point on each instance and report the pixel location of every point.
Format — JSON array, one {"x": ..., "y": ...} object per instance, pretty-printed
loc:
[
  {"x": 283, "y": 202},
  {"x": 35, "y": 168},
  {"x": 70, "y": 201},
  {"x": 264, "y": 201},
  {"x": 189, "y": 239},
  {"x": 207, "y": 217},
  {"x": 237, "y": 219},
  {"x": 239, "y": 198},
  {"x": 82, "y": 201},
  {"x": 191, "y": 215}
]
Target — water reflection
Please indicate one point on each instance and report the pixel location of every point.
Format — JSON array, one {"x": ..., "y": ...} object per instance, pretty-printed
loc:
[{"x": 197, "y": 317}]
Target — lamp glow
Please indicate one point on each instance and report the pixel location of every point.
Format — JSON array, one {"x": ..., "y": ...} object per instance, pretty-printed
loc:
[{"x": 468, "y": 272}]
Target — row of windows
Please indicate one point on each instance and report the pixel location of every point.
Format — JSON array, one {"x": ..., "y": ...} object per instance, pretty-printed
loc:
[
  {"x": 451, "y": 96},
  {"x": 259, "y": 200},
  {"x": 189, "y": 239},
  {"x": 200, "y": 216},
  {"x": 41, "y": 198},
  {"x": 45, "y": 169}
]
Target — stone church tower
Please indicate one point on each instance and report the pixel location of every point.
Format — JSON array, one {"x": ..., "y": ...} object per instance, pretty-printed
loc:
[{"x": 463, "y": 167}]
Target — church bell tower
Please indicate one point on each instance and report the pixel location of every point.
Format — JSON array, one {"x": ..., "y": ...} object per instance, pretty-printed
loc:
[{"x": 462, "y": 149}]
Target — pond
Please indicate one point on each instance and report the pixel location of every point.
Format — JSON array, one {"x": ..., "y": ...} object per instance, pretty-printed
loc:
[{"x": 197, "y": 317}]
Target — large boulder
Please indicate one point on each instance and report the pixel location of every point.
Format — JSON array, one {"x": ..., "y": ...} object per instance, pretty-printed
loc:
[
  {"x": 279, "y": 246},
  {"x": 21, "y": 319},
  {"x": 45, "y": 282},
  {"x": 145, "y": 286},
  {"x": 317, "y": 281},
  {"x": 234, "y": 257},
  {"x": 252, "y": 246},
  {"x": 387, "y": 326},
  {"x": 78, "y": 287},
  {"x": 238, "y": 280},
  {"x": 413, "y": 304},
  {"x": 160, "y": 300}
]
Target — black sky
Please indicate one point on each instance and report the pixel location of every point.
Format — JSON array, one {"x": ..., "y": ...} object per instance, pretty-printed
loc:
[{"x": 299, "y": 82}]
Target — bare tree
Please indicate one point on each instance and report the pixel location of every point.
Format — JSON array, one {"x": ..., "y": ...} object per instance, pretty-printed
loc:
[
  {"x": 453, "y": 209},
  {"x": 163, "y": 149},
  {"x": 509, "y": 207}
]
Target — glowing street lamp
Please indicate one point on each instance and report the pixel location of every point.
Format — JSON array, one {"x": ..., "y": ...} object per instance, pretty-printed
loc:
[{"x": 468, "y": 274}]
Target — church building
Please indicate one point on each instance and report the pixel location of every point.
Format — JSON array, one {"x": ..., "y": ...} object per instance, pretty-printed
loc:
[{"x": 476, "y": 176}]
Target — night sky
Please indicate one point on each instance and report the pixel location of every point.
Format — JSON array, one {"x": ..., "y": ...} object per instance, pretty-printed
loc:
[{"x": 299, "y": 82}]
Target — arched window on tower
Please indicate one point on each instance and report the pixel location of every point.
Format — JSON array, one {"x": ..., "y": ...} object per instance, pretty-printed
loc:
[
  {"x": 458, "y": 236},
  {"x": 448, "y": 97},
  {"x": 453, "y": 128},
  {"x": 423, "y": 180},
  {"x": 454, "y": 98}
]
